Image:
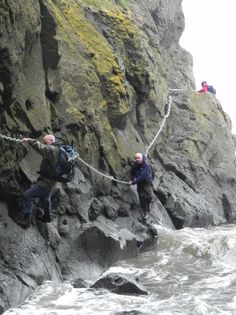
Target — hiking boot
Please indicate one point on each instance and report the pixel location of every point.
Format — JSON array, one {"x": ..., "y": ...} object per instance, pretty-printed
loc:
[
  {"x": 142, "y": 220},
  {"x": 45, "y": 218},
  {"x": 153, "y": 231},
  {"x": 146, "y": 215}
]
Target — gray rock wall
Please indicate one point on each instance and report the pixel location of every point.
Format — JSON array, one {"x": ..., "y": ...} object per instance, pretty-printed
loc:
[{"x": 99, "y": 75}]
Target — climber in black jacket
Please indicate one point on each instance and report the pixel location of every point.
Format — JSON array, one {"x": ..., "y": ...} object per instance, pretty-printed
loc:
[{"x": 142, "y": 175}]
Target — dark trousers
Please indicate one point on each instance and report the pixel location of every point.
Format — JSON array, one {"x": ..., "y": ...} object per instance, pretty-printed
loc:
[
  {"x": 145, "y": 193},
  {"x": 34, "y": 192}
]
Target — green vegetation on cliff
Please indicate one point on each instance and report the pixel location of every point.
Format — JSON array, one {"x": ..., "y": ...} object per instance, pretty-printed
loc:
[
  {"x": 106, "y": 4},
  {"x": 73, "y": 24}
]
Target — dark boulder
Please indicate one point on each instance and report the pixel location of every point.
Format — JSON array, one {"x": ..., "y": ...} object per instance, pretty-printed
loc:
[
  {"x": 110, "y": 207},
  {"x": 79, "y": 283},
  {"x": 120, "y": 283},
  {"x": 105, "y": 244},
  {"x": 95, "y": 209}
]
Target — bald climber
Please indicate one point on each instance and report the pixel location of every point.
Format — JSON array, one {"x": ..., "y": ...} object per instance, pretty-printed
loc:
[
  {"x": 142, "y": 176},
  {"x": 43, "y": 187}
]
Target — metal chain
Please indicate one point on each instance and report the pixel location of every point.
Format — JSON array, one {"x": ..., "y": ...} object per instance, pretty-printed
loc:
[
  {"x": 163, "y": 121},
  {"x": 10, "y": 138},
  {"x": 102, "y": 174},
  {"x": 94, "y": 169},
  {"x": 175, "y": 90},
  {"x": 161, "y": 127},
  {"x": 91, "y": 167}
]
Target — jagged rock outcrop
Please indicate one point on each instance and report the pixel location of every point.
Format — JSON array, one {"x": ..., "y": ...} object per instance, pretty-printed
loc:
[{"x": 97, "y": 73}]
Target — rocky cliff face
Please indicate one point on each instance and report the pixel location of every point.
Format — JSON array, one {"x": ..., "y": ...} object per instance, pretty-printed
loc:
[{"x": 98, "y": 73}]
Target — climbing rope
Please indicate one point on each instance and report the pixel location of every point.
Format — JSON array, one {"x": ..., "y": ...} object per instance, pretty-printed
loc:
[{"x": 146, "y": 153}]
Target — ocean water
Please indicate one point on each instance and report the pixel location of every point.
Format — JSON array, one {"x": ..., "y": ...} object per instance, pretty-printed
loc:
[{"x": 188, "y": 272}]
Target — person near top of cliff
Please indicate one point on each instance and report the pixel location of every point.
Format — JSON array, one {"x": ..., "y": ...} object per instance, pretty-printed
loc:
[
  {"x": 142, "y": 175},
  {"x": 207, "y": 88},
  {"x": 43, "y": 187},
  {"x": 204, "y": 87}
]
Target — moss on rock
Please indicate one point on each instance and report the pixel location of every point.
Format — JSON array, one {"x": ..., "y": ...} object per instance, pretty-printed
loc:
[{"x": 71, "y": 19}]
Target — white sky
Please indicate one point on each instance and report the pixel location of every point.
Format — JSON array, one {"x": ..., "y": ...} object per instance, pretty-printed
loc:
[{"x": 209, "y": 35}]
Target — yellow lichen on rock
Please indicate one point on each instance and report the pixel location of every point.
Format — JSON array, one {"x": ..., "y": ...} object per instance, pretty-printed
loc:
[
  {"x": 71, "y": 19},
  {"x": 106, "y": 4}
]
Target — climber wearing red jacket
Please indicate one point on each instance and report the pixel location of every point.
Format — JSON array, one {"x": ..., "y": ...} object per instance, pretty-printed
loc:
[{"x": 204, "y": 87}]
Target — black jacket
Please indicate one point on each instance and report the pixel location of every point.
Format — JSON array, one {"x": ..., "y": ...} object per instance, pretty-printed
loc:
[{"x": 142, "y": 173}]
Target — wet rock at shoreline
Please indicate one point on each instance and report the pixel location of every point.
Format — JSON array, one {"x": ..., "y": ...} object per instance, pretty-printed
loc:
[{"x": 121, "y": 284}]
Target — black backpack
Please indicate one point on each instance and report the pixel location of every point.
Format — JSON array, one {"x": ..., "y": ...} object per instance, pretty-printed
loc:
[{"x": 65, "y": 168}]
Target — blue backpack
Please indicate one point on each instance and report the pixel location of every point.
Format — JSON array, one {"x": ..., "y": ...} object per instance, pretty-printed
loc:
[
  {"x": 211, "y": 89},
  {"x": 65, "y": 168}
]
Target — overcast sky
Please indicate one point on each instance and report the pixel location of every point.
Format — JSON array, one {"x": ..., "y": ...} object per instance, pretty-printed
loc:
[{"x": 210, "y": 29}]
